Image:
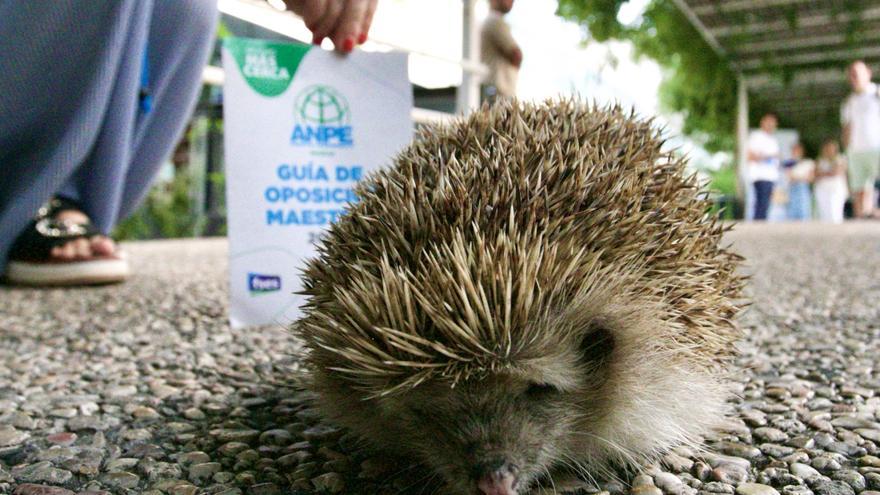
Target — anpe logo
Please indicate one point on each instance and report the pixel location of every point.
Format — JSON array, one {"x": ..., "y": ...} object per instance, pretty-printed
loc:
[
  {"x": 263, "y": 283},
  {"x": 322, "y": 118}
]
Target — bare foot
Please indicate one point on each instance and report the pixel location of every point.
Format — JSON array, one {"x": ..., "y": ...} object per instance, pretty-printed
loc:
[{"x": 81, "y": 249}]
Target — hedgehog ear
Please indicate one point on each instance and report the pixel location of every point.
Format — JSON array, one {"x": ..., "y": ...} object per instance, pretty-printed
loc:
[{"x": 597, "y": 344}]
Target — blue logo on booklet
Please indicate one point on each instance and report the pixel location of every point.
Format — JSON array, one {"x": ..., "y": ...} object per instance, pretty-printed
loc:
[{"x": 262, "y": 284}]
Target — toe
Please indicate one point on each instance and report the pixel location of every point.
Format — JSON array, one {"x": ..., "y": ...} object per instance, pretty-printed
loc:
[
  {"x": 67, "y": 251},
  {"x": 103, "y": 246},
  {"x": 82, "y": 248}
]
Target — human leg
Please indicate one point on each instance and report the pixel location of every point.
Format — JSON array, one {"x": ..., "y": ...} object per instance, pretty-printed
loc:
[
  {"x": 823, "y": 206},
  {"x": 862, "y": 171},
  {"x": 180, "y": 41},
  {"x": 798, "y": 201},
  {"x": 838, "y": 201},
  {"x": 62, "y": 61},
  {"x": 763, "y": 190}
]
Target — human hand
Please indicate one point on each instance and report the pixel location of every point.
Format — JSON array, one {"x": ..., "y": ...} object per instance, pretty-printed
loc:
[
  {"x": 345, "y": 22},
  {"x": 516, "y": 58}
]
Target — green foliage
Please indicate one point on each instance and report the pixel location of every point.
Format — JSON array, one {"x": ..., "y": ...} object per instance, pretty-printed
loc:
[
  {"x": 723, "y": 181},
  {"x": 722, "y": 190},
  {"x": 223, "y": 30},
  {"x": 697, "y": 82},
  {"x": 167, "y": 212},
  {"x": 600, "y": 16}
]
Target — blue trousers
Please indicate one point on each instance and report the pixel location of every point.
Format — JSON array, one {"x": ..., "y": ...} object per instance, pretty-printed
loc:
[
  {"x": 70, "y": 119},
  {"x": 763, "y": 190}
]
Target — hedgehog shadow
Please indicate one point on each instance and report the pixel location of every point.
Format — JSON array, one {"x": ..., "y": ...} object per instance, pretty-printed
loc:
[
  {"x": 309, "y": 455},
  {"x": 269, "y": 431}
]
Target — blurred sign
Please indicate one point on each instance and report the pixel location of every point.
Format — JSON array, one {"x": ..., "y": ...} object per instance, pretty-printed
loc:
[{"x": 302, "y": 125}]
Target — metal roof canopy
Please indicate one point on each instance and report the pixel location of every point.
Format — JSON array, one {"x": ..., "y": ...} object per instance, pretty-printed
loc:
[{"x": 792, "y": 54}]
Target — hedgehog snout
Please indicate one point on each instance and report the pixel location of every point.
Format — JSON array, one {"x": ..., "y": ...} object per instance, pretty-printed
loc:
[{"x": 498, "y": 477}]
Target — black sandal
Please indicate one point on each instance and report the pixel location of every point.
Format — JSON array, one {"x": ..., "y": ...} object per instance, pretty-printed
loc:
[{"x": 31, "y": 261}]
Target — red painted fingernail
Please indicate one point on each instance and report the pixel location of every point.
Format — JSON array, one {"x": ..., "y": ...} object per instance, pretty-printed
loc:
[
  {"x": 348, "y": 44},
  {"x": 316, "y": 40},
  {"x": 362, "y": 38}
]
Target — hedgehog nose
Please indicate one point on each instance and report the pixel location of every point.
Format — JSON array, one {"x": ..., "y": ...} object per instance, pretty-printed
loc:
[{"x": 500, "y": 480}]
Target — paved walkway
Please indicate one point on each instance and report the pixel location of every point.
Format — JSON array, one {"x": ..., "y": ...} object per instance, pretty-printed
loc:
[{"x": 143, "y": 388}]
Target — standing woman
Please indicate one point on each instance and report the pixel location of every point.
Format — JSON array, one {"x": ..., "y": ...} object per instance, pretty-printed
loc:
[
  {"x": 830, "y": 183},
  {"x": 93, "y": 97}
]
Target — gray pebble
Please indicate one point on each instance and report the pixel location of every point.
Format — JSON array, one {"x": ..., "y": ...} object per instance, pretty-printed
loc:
[
  {"x": 755, "y": 489},
  {"x": 718, "y": 487},
  {"x": 852, "y": 478},
  {"x": 329, "y": 482},
  {"x": 668, "y": 482},
  {"x": 825, "y": 464},
  {"x": 771, "y": 435},
  {"x": 199, "y": 473},
  {"x": 803, "y": 471},
  {"x": 10, "y": 436},
  {"x": 829, "y": 487},
  {"x": 121, "y": 479},
  {"x": 41, "y": 472}
]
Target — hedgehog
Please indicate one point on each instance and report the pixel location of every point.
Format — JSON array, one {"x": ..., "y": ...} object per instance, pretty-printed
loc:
[{"x": 534, "y": 290}]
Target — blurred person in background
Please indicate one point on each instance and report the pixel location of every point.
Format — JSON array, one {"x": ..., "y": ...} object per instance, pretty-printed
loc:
[
  {"x": 93, "y": 98},
  {"x": 830, "y": 183},
  {"x": 499, "y": 52},
  {"x": 799, "y": 172},
  {"x": 860, "y": 117},
  {"x": 763, "y": 163}
]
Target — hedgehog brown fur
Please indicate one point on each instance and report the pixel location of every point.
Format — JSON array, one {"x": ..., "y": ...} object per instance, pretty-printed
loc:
[{"x": 534, "y": 288}]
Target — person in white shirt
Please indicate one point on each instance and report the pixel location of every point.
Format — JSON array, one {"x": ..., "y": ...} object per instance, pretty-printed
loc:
[
  {"x": 763, "y": 162},
  {"x": 860, "y": 117}
]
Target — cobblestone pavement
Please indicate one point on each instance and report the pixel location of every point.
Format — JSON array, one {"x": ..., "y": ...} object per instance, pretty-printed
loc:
[{"x": 143, "y": 388}]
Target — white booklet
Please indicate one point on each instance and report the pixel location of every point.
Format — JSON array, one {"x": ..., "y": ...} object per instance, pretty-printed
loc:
[{"x": 302, "y": 125}]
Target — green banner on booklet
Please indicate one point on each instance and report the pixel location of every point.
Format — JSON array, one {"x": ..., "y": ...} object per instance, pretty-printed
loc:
[{"x": 267, "y": 66}]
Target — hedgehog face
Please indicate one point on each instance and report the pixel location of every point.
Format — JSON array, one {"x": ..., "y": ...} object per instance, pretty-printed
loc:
[
  {"x": 499, "y": 434},
  {"x": 489, "y": 436}
]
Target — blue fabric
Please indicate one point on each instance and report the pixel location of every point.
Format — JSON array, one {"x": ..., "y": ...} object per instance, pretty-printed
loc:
[
  {"x": 146, "y": 99},
  {"x": 763, "y": 190},
  {"x": 800, "y": 201},
  {"x": 70, "y": 78}
]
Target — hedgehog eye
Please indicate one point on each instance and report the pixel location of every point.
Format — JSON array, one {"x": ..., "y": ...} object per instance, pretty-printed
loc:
[
  {"x": 597, "y": 345},
  {"x": 537, "y": 390}
]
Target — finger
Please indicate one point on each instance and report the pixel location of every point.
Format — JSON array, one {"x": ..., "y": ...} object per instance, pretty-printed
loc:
[
  {"x": 367, "y": 22},
  {"x": 348, "y": 29},
  {"x": 296, "y": 6},
  {"x": 328, "y": 22},
  {"x": 312, "y": 11}
]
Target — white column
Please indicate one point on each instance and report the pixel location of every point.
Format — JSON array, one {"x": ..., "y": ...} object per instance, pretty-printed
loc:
[
  {"x": 742, "y": 124},
  {"x": 468, "y": 94},
  {"x": 742, "y": 135}
]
